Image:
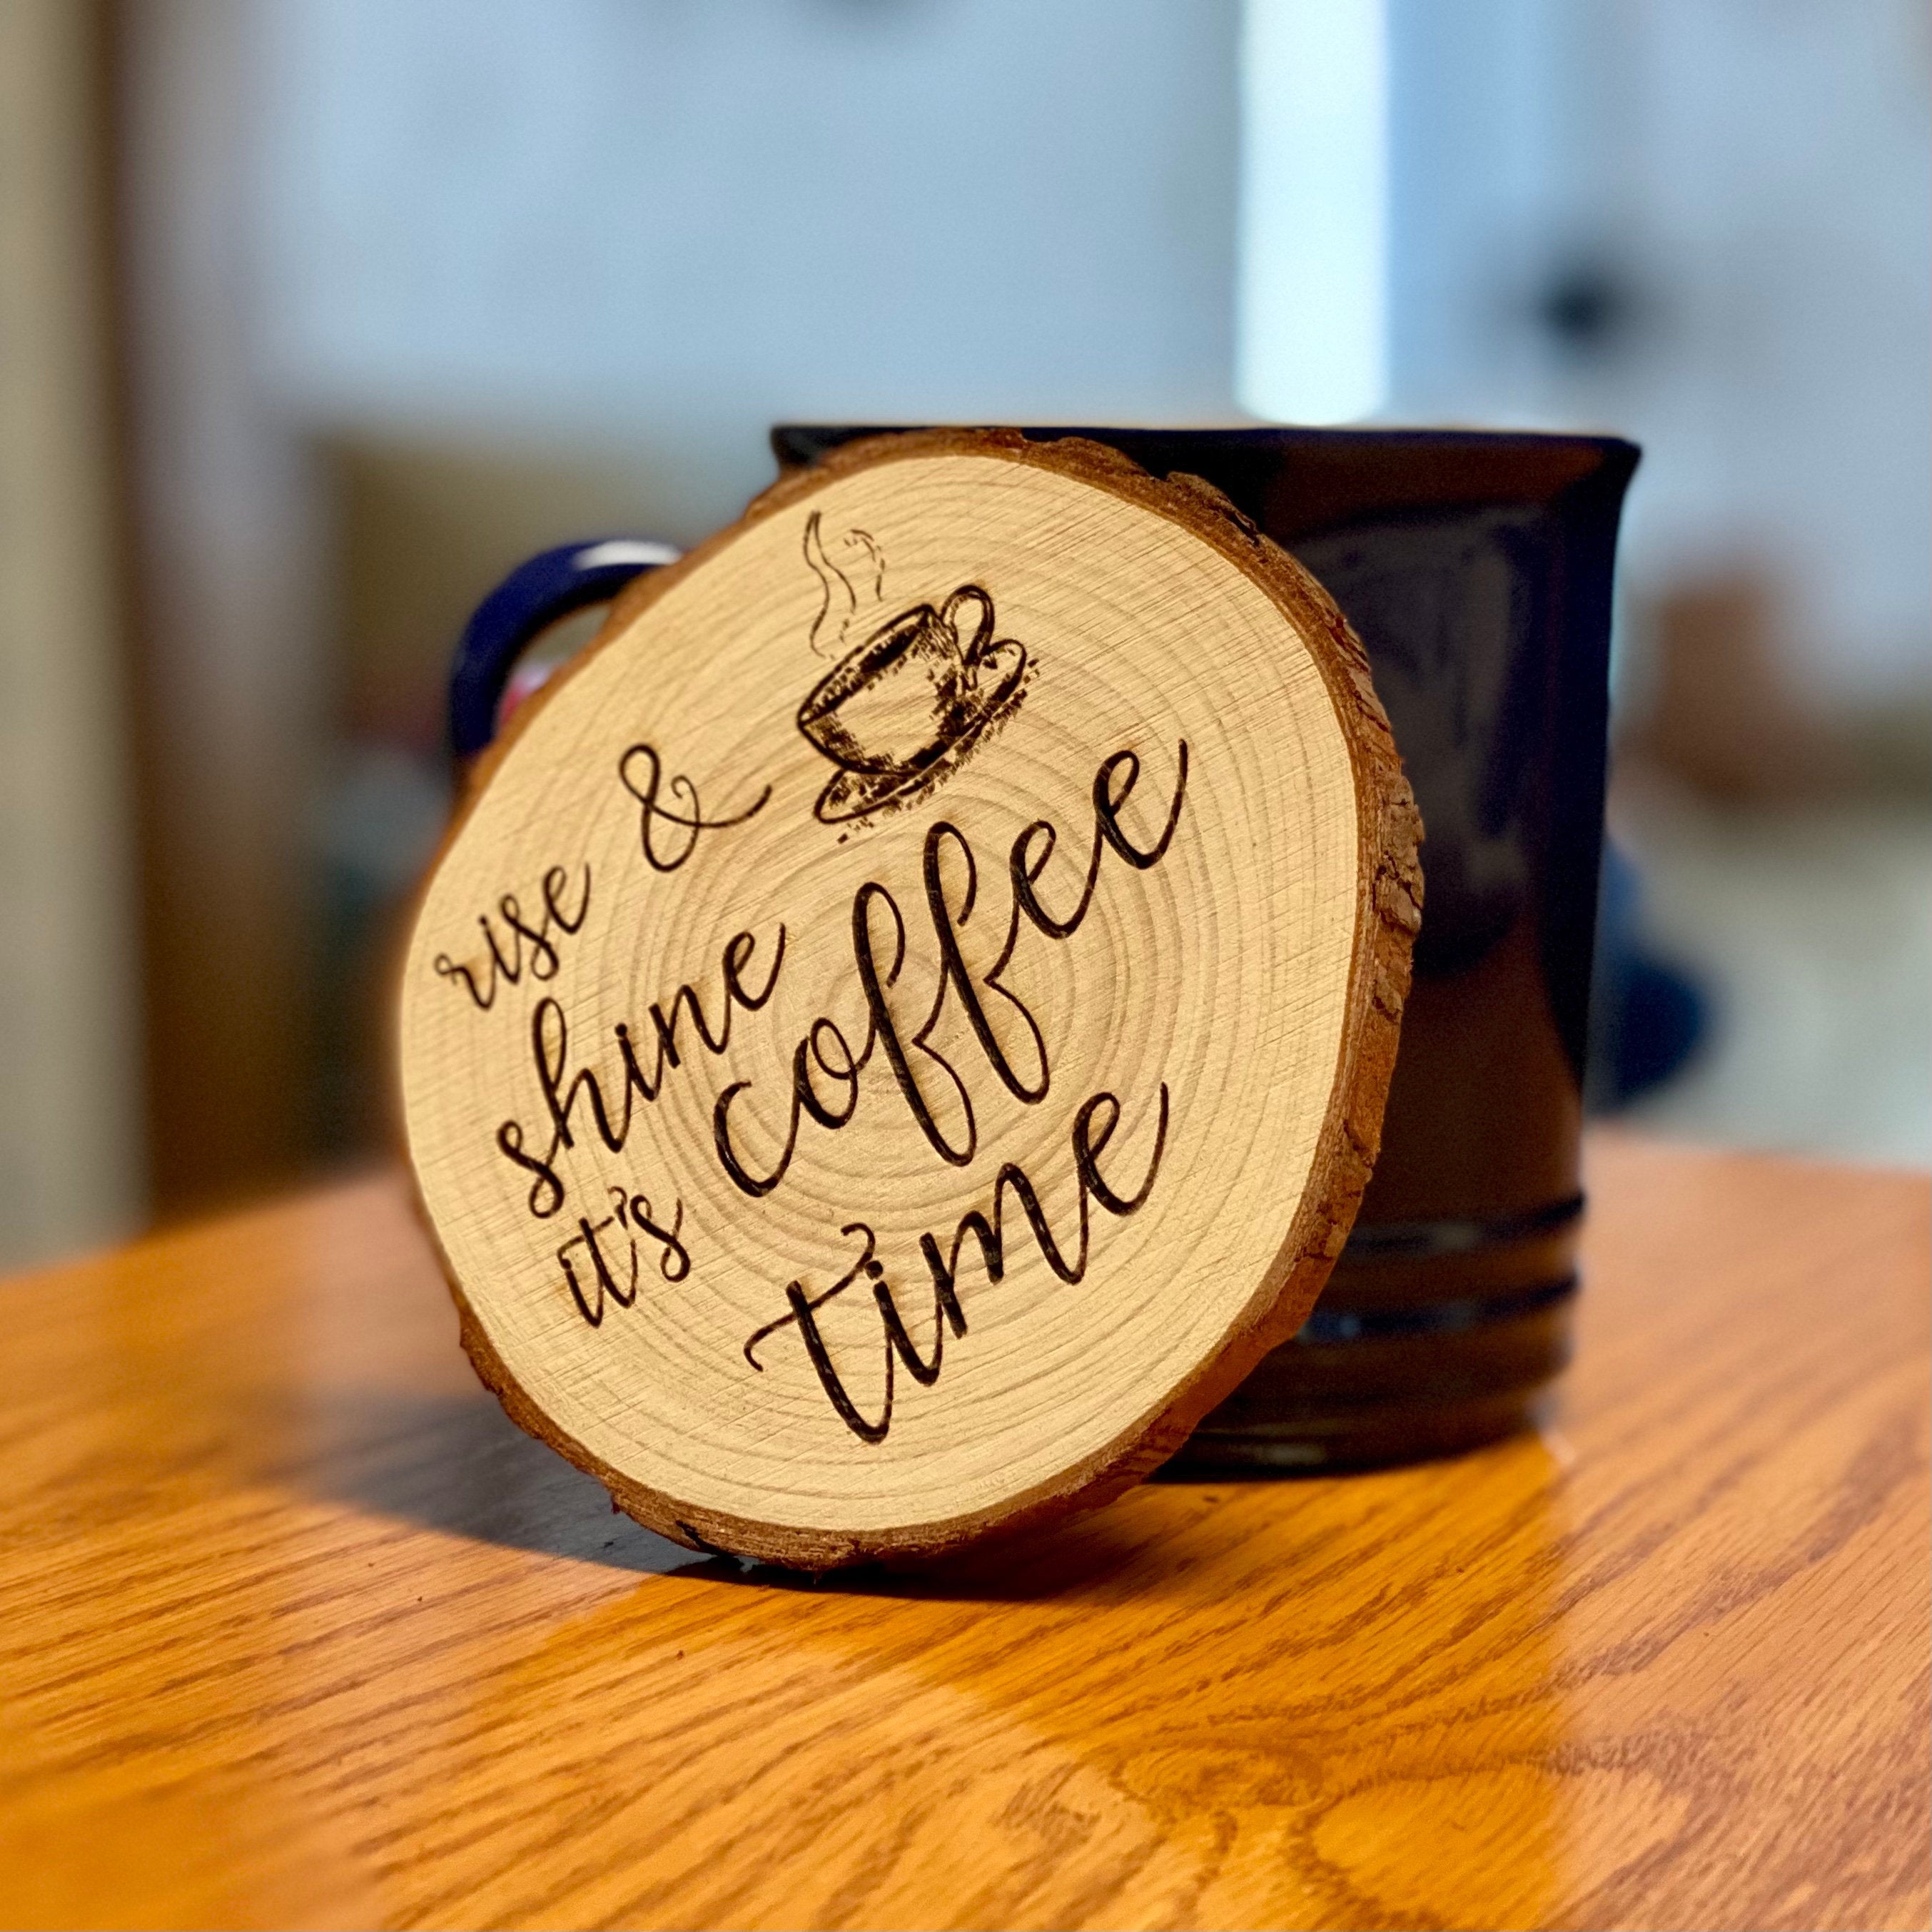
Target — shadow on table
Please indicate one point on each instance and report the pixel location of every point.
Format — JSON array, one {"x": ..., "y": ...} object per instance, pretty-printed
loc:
[
  {"x": 1335, "y": 1702},
  {"x": 1339, "y": 1703},
  {"x": 453, "y": 1462}
]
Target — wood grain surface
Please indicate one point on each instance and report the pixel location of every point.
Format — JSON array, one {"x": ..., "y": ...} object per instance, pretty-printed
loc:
[
  {"x": 298, "y": 1630},
  {"x": 900, "y": 1025}
]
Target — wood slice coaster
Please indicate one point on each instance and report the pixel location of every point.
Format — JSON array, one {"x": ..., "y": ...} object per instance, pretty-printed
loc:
[{"x": 900, "y": 1027}]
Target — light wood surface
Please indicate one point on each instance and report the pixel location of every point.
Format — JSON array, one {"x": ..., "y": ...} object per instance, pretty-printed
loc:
[
  {"x": 298, "y": 1630},
  {"x": 901, "y": 1023}
]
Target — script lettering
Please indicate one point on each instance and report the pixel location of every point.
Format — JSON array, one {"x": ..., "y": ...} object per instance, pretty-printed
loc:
[
  {"x": 524, "y": 947},
  {"x": 911, "y": 967},
  {"x": 1094, "y": 1127}
]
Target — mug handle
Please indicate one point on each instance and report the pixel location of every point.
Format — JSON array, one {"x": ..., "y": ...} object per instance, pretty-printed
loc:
[
  {"x": 550, "y": 585},
  {"x": 970, "y": 593}
]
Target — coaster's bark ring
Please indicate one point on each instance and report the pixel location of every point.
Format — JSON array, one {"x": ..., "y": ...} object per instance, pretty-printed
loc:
[{"x": 1171, "y": 621}]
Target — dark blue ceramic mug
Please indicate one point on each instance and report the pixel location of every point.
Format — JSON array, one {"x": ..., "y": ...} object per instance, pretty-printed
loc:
[
  {"x": 550, "y": 586},
  {"x": 1477, "y": 569}
]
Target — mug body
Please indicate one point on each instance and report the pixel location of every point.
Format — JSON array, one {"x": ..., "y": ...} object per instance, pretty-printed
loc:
[{"x": 1476, "y": 569}]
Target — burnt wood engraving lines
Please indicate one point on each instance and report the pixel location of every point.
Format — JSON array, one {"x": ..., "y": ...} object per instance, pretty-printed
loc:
[
  {"x": 951, "y": 1016},
  {"x": 824, "y": 1075},
  {"x": 912, "y": 698}
]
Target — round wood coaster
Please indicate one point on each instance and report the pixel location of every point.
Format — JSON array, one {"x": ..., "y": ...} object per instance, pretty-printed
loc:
[{"x": 901, "y": 1026}]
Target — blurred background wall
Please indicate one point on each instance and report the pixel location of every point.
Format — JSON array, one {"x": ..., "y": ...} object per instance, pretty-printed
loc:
[
  {"x": 71, "y": 1076},
  {"x": 320, "y": 314}
]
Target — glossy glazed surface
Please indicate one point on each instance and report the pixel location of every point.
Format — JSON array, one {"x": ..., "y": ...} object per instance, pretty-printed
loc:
[
  {"x": 1476, "y": 569},
  {"x": 296, "y": 1628}
]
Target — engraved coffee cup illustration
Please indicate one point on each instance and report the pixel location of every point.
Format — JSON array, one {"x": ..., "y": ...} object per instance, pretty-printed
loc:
[{"x": 898, "y": 713}]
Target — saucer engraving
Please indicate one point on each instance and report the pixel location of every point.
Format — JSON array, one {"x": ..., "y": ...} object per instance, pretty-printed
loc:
[{"x": 904, "y": 708}]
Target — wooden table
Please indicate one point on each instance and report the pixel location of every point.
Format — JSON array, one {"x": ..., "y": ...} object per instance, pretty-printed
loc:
[{"x": 297, "y": 1629}]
